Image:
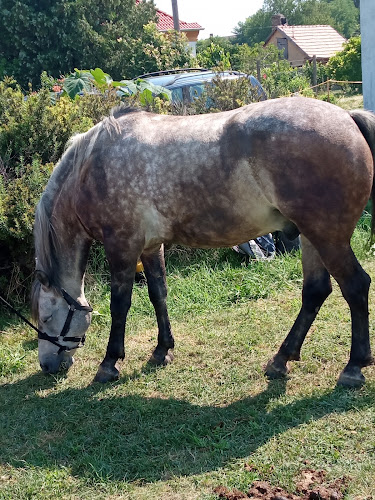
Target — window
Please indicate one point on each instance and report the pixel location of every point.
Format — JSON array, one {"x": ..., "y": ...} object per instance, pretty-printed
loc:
[{"x": 282, "y": 44}]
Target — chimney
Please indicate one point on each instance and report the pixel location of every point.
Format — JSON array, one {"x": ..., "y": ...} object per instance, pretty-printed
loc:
[{"x": 278, "y": 20}]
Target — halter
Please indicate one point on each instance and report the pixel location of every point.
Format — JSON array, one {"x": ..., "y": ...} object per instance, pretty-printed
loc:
[{"x": 73, "y": 306}]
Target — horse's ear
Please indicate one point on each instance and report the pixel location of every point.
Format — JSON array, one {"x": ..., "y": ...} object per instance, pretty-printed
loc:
[{"x": 42, "y": 278}]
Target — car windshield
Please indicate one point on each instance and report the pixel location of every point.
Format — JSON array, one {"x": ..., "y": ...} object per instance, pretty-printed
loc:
[{"x": 187, "y": 86}]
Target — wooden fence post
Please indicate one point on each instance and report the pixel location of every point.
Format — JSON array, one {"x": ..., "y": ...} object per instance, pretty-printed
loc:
[{"x": 314, "y": 74}]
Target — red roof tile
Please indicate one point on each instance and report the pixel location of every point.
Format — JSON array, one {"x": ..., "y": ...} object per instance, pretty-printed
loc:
[
  {"x": 165, "y": 22},
  {"x": 320, "y": 40}
]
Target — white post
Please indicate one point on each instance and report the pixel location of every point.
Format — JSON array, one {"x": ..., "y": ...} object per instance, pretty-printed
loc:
[{"x": 367, "y": 10}]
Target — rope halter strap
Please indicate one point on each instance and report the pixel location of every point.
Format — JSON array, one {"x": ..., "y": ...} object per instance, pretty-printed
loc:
[{"x": 73, "y": 306}]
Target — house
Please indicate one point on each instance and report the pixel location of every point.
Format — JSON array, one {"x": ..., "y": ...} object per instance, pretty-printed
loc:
[
  {"x": 191, "y": 30},
  {"x": 302, "y": 43}
]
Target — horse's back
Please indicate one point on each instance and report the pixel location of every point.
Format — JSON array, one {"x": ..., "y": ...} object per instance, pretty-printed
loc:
[{"x": 219, "y": 179}]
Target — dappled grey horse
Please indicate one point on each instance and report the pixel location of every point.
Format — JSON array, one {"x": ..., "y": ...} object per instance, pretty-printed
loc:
[{"x": 137, "y": 180}]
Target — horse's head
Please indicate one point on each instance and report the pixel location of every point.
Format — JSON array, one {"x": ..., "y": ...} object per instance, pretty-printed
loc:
[{"x": 62, "y": 324}]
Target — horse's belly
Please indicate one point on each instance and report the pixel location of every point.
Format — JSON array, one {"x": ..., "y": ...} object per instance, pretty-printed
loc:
[{"x": 221, "y": 228}]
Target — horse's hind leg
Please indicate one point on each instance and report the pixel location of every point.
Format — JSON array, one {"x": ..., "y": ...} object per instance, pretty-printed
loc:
[
  {"x": 157, "y": 289},
  {"x": 354, "y": 283},
  {"x": 316, "y": 288}
]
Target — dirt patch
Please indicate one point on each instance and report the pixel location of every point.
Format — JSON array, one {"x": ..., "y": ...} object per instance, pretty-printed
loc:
[{"x": 311, "y": 486}]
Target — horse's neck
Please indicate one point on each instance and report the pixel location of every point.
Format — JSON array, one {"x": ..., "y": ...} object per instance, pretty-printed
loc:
[{"x": 72, "y": 248}]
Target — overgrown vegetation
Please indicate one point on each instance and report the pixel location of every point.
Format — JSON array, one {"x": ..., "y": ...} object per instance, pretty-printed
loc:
[
  {"x": 34, "y": 129},
  {"x": 118, "y": 36},
  {"x": 224, "y": 95},
  {"x": 346, "y": 65}
]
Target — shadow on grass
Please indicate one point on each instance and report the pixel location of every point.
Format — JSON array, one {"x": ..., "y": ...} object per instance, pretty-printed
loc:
[{"x": 146, "y": 439}]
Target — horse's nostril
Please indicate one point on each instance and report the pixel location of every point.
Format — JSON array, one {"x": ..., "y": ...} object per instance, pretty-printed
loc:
[{"x": 44, "y": 367}]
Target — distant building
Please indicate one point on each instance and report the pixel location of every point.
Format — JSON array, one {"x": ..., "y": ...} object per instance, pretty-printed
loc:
[
  {"x": 301, "y": 43},
  {"x": 191, "y": 30}
]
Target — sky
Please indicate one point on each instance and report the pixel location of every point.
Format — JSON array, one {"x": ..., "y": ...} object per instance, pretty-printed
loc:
[{"x": 218, "y": 17}]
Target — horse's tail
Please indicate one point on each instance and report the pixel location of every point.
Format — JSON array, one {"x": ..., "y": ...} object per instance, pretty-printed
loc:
[{"x": 365, "y": 121}]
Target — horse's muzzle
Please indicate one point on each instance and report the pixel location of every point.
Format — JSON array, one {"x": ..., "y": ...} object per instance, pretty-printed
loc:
[{"x": 52, "y": 364}]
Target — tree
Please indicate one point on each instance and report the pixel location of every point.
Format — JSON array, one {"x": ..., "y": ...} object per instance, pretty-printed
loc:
[
  {"x": 254, "y": 29},
  {"x": 214, "y": 56},
  {"x": 152, "y": 51},
  {"x": 312, "y": 12},
  {"x": 346, "y": 17},
  {"x": 346, "y": 65},
  {"x": 60, "y": 35}
]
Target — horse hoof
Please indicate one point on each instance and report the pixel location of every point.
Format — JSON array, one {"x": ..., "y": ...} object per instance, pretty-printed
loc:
[
  {"x": 106, "y": 374},
  {"x": 161, "y": 359},
  {"x": 275, "y": 369},
  {"x": 351, "y": 378}
]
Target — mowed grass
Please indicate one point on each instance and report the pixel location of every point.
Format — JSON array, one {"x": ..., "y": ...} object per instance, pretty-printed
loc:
[{"x": 208, "y": 419}]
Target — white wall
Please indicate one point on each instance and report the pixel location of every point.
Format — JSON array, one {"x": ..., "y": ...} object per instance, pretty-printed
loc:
[
  {"x": 193, "y": 48},
  {"x": 368, "y": 52}
]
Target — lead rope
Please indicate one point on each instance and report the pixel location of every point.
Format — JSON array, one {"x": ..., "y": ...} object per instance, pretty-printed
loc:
[
  {"x": 73, "y": 306},
  {"x": 20, "y": 315}
]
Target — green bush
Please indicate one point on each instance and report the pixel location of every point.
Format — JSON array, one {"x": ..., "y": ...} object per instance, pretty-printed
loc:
[
  {"x": 213, "y": 56},
  {"x": 280, "y": 79},
  {"x": 346, "y": 65},
  {"x": 224, "y": 95},
  {"x": 34, "y": 128}
]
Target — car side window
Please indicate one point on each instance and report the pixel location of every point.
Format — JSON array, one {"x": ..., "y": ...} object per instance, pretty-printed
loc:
[
  {"x": 196, "y": 90},
  {"x": 177, "y": 95}
]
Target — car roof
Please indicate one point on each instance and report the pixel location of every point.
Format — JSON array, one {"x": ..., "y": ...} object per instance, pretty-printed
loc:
[
  {"x": 174, "y": 80},
  {"x": 182, "y": 78}
]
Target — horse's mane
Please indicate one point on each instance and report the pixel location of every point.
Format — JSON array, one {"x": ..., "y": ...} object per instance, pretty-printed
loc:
[
  {"x": 46, "y": 240},
  {"x": 79, "y": 148}
]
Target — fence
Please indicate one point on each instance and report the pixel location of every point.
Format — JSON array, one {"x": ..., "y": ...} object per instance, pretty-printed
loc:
[{"x": 334, "y": 88}]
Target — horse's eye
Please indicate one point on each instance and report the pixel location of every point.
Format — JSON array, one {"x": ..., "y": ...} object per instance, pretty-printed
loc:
[{"x": 45, "y": 319}]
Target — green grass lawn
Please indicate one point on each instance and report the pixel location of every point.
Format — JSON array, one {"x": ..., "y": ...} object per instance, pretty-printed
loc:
[{"x": 208, "y": 419}]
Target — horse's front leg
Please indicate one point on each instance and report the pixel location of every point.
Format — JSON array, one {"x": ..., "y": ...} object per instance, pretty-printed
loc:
[
  {"x": 154, "y": 267},
  {"x": 122, "y": 279}
]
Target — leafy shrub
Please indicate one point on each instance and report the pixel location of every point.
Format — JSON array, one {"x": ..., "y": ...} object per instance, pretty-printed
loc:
[
  {"x": 214, "y": 56},
  {"x": 346, "y": 65},
  {"x": 224, "y": 95},
  {"x": 34, "y": 129},
  {"x": 280, "y": 79}
]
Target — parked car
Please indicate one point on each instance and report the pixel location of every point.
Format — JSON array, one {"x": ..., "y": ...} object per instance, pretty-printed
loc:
[{"x": 188, "y": 84}]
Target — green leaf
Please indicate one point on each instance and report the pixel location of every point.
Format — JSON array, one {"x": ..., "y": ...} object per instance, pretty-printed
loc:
[
  {"x": 146, "y": 97},
  {"x": 101, "y": 78},
  {"x": 79, "y": 81},
  {"x": 129, "y": 87}
]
